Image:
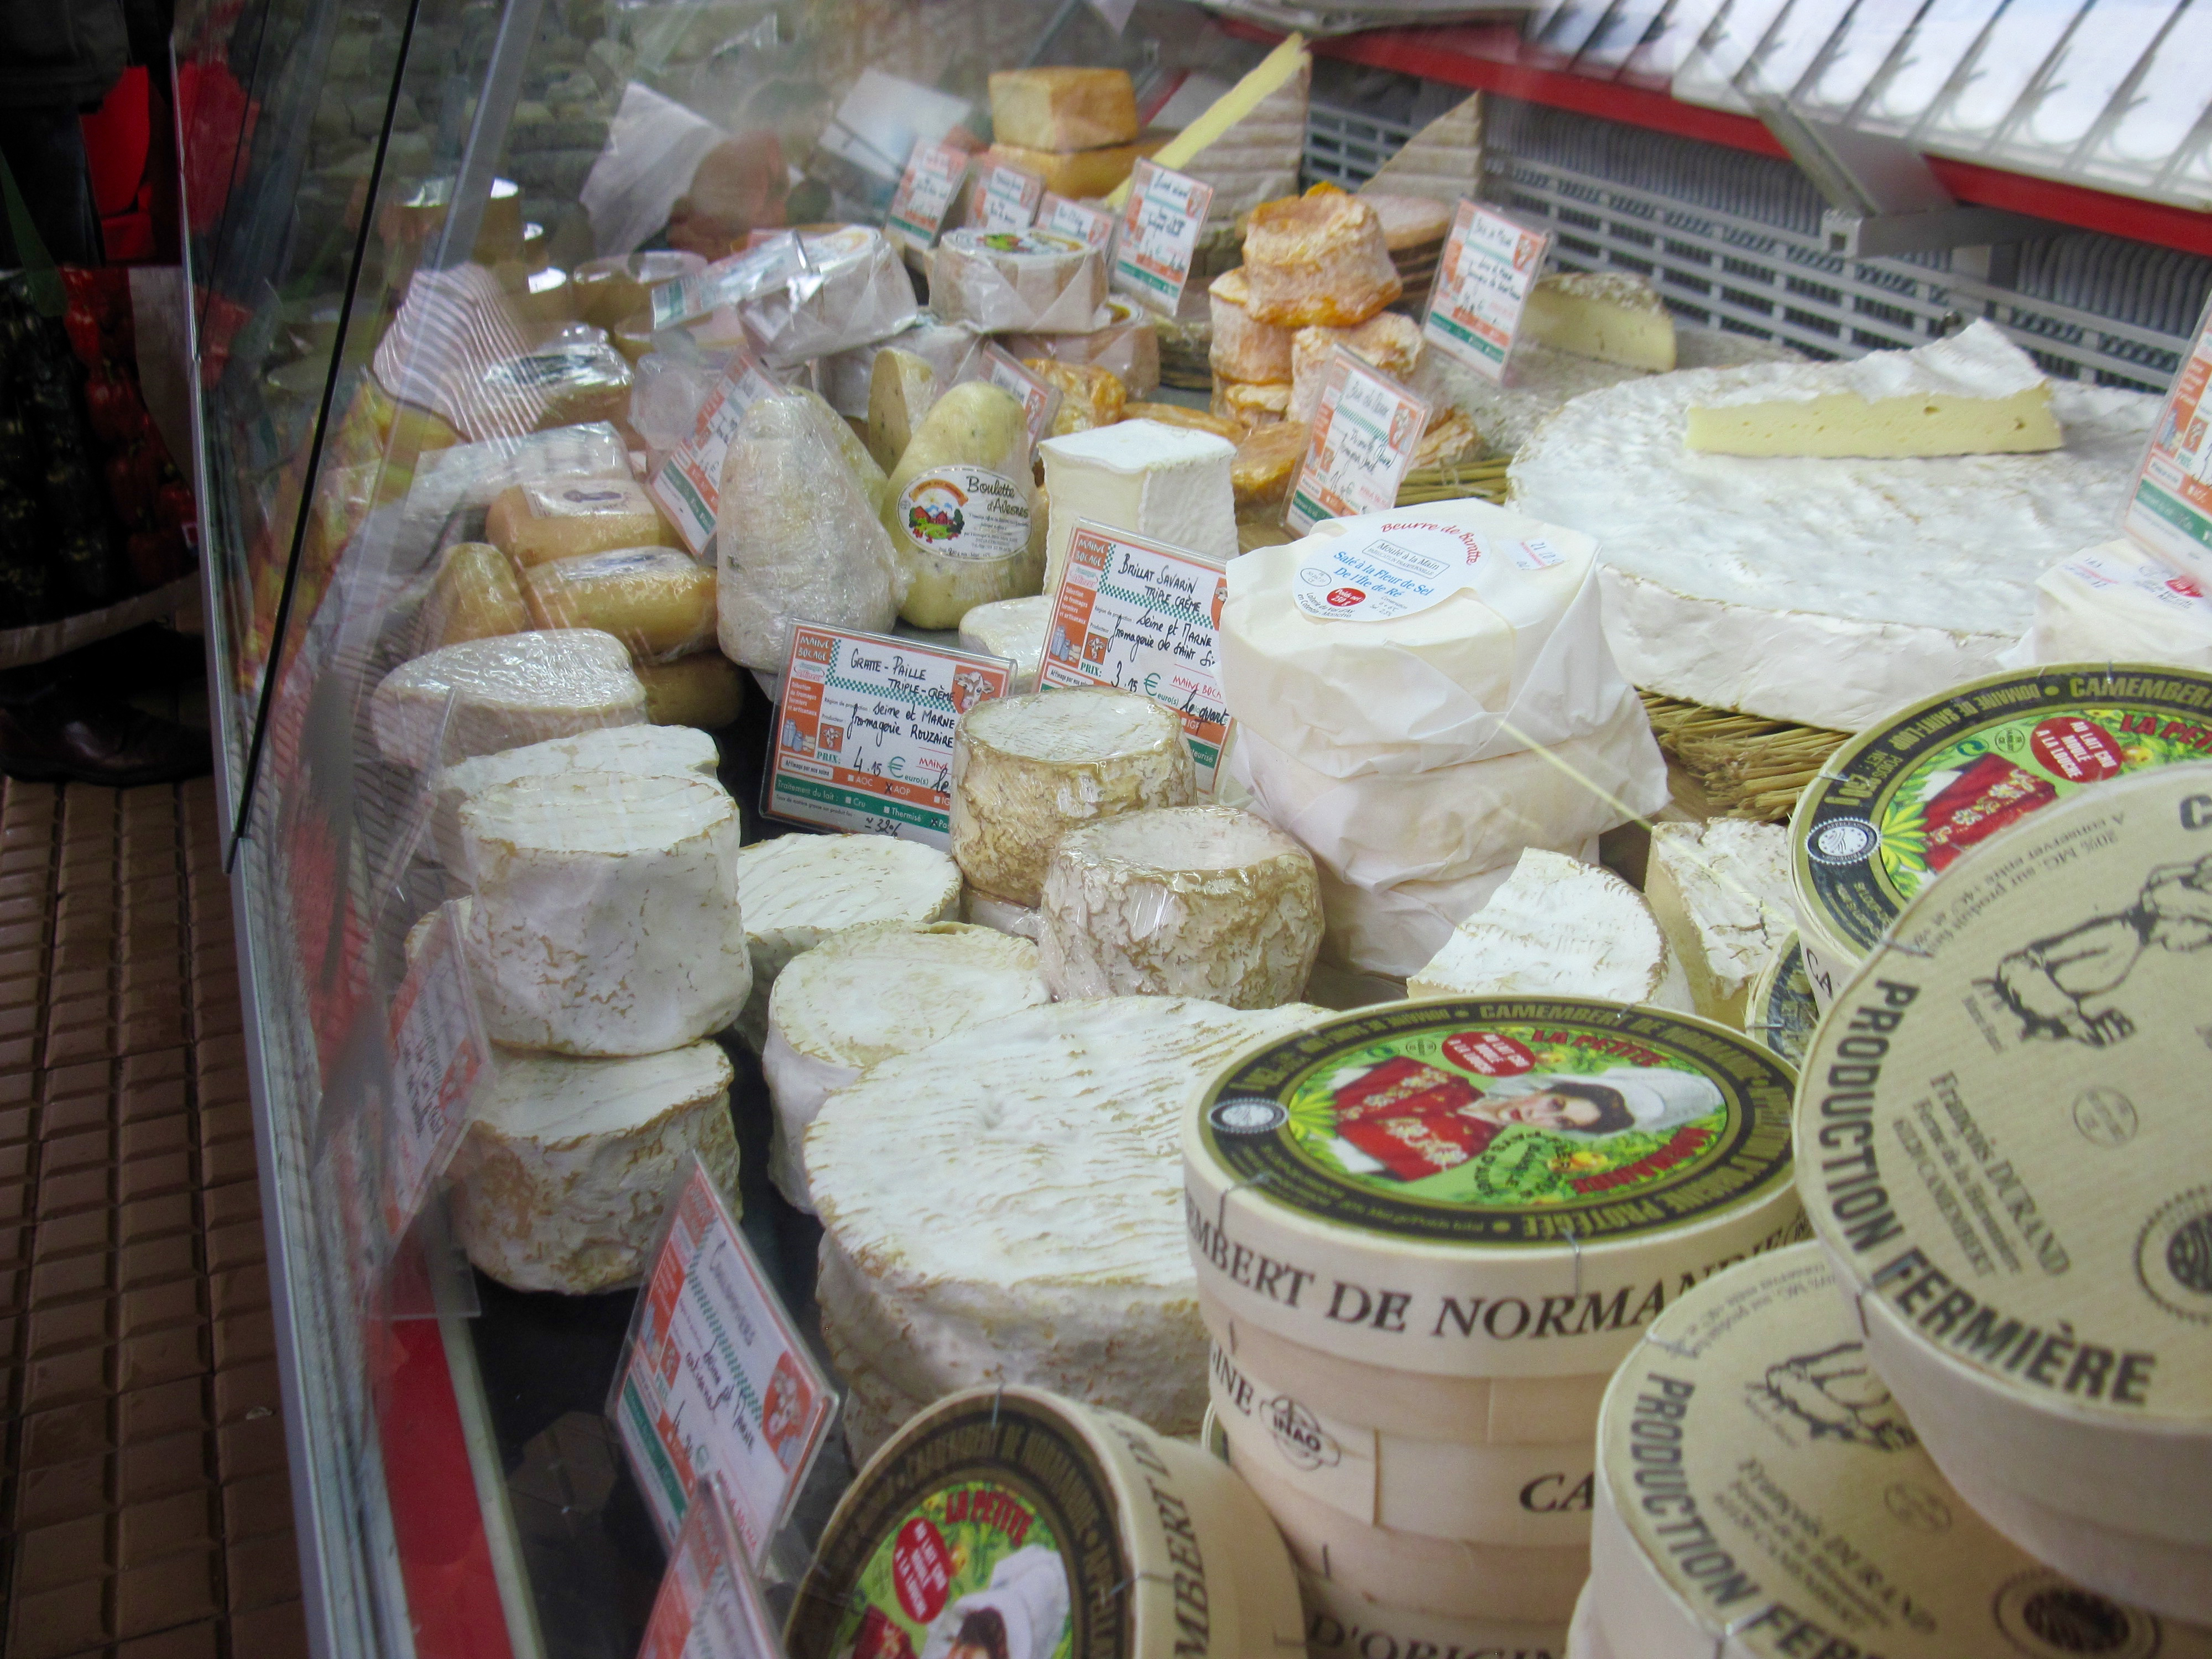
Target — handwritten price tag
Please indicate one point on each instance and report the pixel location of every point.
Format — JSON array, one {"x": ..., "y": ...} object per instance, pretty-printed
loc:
[
  {"x": 1159, "y": 236},
  {"x": 925, "y": 193},
  {"x": 2170, "y": 510},
  {"x": 1087, "y": 224},
  {"x": 1489, "y": 266},
  {"x": 1145, "y": 618},
  {"x": 1363, "y": 438},
  {"x": 715, "y": 1379},
  {"x": 863, "y": 732},
  {"x": 1004, "y": 198},
  {"x": 438, "y": 1053},
  {"x": 689, "y": 483},
  {"x": 710, "y": 1606}
]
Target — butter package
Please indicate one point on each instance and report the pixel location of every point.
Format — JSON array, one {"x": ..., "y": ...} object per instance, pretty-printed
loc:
[
  {"x": 1034, "y": 280},
  {"x": 541, "y": 520}
]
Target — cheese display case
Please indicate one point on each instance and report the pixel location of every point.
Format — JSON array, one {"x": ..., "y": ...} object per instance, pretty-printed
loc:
[{"x": 1035, "y": 811}]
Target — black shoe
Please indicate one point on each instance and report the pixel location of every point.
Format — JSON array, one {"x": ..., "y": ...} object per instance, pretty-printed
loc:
[{"x": 62, "y": 737}]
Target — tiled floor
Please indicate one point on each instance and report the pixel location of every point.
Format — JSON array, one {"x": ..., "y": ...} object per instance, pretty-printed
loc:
[{"x": 142, "y": 1485}]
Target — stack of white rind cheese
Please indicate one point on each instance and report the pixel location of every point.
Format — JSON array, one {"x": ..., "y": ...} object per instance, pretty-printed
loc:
[
  {"x": 1420, "y": 695},
  {"x": 1004, "y": 1207},
  {"x": 1387, "y": 1215}
]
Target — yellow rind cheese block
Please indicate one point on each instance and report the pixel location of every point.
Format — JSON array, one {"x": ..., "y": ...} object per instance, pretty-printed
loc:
[
  {"x": 1063, "y": 107},
  {"x": 1080, "y": 174},
  {"x": 537, "y": 522},
  {"x": 474, "y": 596},
  {"x": 659, "y": 601},
  {"x": 701, "y": 689}
]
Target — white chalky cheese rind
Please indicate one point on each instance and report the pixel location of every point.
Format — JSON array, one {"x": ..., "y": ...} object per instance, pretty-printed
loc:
[
  {"x": 1166, "y": 482},
  {"x": 1181, "y": 901},
  {"x": 1558, "y": 927},
  {"x": 647, "y": 751},
  {"x": 1027, "y": 770},
  {"x": 568, "y": 1160},
  {"x": 1721, "y": 890},
  {"x": 606, "y": 917},
  {"x": 1013, "y": 629},
  {"x": 504, "y": 692}
]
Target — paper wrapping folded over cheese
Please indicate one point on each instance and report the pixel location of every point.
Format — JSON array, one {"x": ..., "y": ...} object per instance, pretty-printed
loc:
[
  {"x": 962, "y": 508},
  {"x": 1389, "y": 341},
  {"x": 1127, "y": 344},
  {"x": 1063, "y": 107},
  {"x": 853, "y": 289},
  {"x": 483, "y": 696},
  {"x": 2115, "y": 603},
  {"x": 1242, "y": 348},
  {"x": 1320, "y": 257},
  {"x": 659, "y": 601},
  {"x": 1033, "y": 281},
  {"x": 1395, "y": 931}
]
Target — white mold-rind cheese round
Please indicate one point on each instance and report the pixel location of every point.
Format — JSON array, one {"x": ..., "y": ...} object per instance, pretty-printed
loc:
[
  {"x": 1027, "y": 770},
  {"x": 651, "y": 752},
  {"x": 1486, "y": 1187},
  {"x": 1762, "y": 1492},
  {"x": 1181, "y": 900},
  {"x": 483, "y": 695}
]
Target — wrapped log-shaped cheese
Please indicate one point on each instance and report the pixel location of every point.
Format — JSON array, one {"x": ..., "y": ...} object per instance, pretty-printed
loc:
[
  {"x": 1187, "y": 901},
  {"x": 959, "y": 507},
  {"x": 794, "y": 537},
  {"x": 701, "y": 689},
  {"x": 483, "y": 696},
  {"x": 474, "y": 596},
  {"x": 1243, "y": 349},
  {"x": 569, "y": 1161},
  {"x": 1320, "y": 257},
  {"x": 1035, "y": 280},
  {"x": 659, "y": 601},
  {"x": 1025, "y": 770},
  {"x": 606, "y": 917}
]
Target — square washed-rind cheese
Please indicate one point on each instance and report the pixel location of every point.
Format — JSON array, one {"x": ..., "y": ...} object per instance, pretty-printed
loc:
[
  {"x": 1242, "y": 348},
  {"x": 647, "y": 752},
  {"x": 1615, "y": 316},
  {"x": 1317, "y": 258},
  {"x": 1063, "y": 107},
  {"x": 604, "y": 917},
  {"x": 1722, "y": 892},
  {"x": 1558, "y": 927},
  {"x": 1156, "y": 481},
  {"x": 502, "y": 693},
  {"x": 569, "y": 1159}
]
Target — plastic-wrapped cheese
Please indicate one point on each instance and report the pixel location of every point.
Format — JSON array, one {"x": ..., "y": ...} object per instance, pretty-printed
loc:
[
  {"x": 643, "y": 751},
  {"x": 659, "y": 601},
  {"x": 2115, "y": 603},
  {"x": 799, "y": 889},
  {"x": 1722, "y": 891},
  {"x": 474, "y": 596},
  {"x": 1002, "y": 915},
  {"x": 1558, "y": 927},
  {"x": 1013, "y": 629},
  {"x": 1249, "y": 406},
  {"x": 1027, "y": 770},
  {"x": 1139, "y": 476},
  {"x": 567, "y": 1161},
  {"x": 794, "y": 538},
  {"x": 874, "y": 486},
  {"x": 606, "y": 919},
  {"x": 1035, "y": 280},
  {"x": 1243, "y": 349},
  {"x": 1422, "y": 637},
  {"x": 854, "y": 289},
  {"x": 483, "y": 696},
  {"x": 701, "y": 689},
  {"x": 870, "y": 992},
  {"x": 1128, "y": 346},
  {"x": 1320, "y": 257},
  {"x": 1181, "y": 901},
  {"x": 1089, "y": 396},
  {"x": 1063, "y": 107},
  {"x": 960, "y": 506},
  {"x": 1265, "y": 462},
  {"x": 1389, "y": 341},
  {"x": 901, "y": 389},
  {"x": 544, "y": 520}
]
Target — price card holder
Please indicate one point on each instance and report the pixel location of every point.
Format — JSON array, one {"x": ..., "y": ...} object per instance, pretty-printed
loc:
[
  {"x": 1489, "y": 264},
  {"x": 1145, "y": 618},
  {"x": 1087, "y": 224},
  {"x": 2169, "y": 511},
  {"x": 863, "y": 732},
  {"x": 925, "y": 193},
  {"x": 688, "y": 486},
  {"x": 1364, "y": 437},
  {"x": 1040, "y": 402},
  {"x": 1159, "y": 237},
  {"x": 715, "y": 1379},
  {"x": 438, "y": 1054},
  {"x": 1004, "y": 197},
  {"x": 710, "y": 1605}
]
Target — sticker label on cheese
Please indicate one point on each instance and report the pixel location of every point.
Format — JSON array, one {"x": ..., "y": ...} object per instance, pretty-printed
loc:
[
  {"x": 715, "y": 1378},
  {"x": 1093, "y": 227},
  {"x": 1004, "y": 197},
  {"x": 966, "y": 512},
  {"x": 709, "y": 1605},
  {"x": 863, "y": 732},
  {"x": 1895, "y": 806},
  {"x": 726, "y": 282},
  {"x": 1482, "y": 281},
  {"x": 1158, "y": 236},
  {"x": 2009, "y": 1151},
  {"x": 1145, "y": 618},
  {"x": 586, "y": 498},
  {"x": 925, "y": 193},
  {"x": 2171, "y": 510},
  {"x": 992, "y": 1530},
  {"x": 689, "y": 483},
  {"x": 1505, "y": 1122},
  {"x": 1405, "y": 563},
  {"x": 1365, "y": 434}
]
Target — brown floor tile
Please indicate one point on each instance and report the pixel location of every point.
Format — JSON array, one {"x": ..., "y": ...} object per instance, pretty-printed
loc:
[
  {"x": 64, "y": 1620},
  {"x": 165, "y": 1593},
  {"x": 47, "y": 1557},
  {"x": 262, "y": 1570},
  {"x": 257, "y": 1506},
  {"x": 277, "y": 1632},
  {"x": 186, "y": 1641},
  {"x": 240, "y": 1392},
  {"x": 66, "y": 1434},
  {"x": 147, "y": 1532},
  {"x": 166, "y": 1408}
]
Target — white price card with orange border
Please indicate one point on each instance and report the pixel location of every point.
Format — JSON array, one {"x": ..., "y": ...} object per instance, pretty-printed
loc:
[
  {"x": 1364, "y": 433},
  {"x": 863, "y": 732},
  {"x": 688, "y": 486},
  {"x": 1092, "y": 226},
  {"x": 1040, "y": 402},
  {"x": 1159, "y": 236},
  {"x": 710, "y": 1605},
  {"x": 715, "y": 1378},
  {"x": 1004, "y": 197},
  {"x": 2170, "y": 509},
  {"x": 1145, "y": 618},
  {"x": 927, "y": 191},
  {"x": 439, "y": 1052},
  {"x": 1489, "y": 264}
]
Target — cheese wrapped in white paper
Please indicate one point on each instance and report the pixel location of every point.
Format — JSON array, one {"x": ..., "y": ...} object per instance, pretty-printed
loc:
[
  {"x": 854, "y": 289},
  {"x": 1397, "y": 931},
  {"x": 1181, "y": 901},
  {"x": 606, "y": 919},
  {"x": 483, "y": 695},
  {"x": 638, "y": 751},
  {"x": 1036, "y": 281},
  {"x": 2115, "y": 603},
  {"x": 844, "y": 377},
  {"x": 794, "y": 538},
  {"x": 568, "y": 1160}
]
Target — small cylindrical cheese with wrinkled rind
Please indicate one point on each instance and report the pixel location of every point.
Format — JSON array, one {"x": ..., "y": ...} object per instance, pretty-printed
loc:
[
  {"x": 644, "y": 751},
  {"x": 606, "y": 919},
  {"x": 702, "y": 691},
  {"x": 1320, "y": 257},
  {"x": 1243, "y": 349},
  {"x": 960, "y": 507},
  {"x": 799, "y": 889},
  {"x": 1390, "y": 342},
  {"x": 569, "y": 1159},
  {"x": 483, "y": 696},
  {"x": 1721, "y": 890},
  {"x": 474, "y": 596},
  {"x": 1181, "y": 901},
  {"x": 1559, "y": 927},
  {"x": 1027, "y": 770},
  {"x": 870, "y": 992},
  {"x": 1013, "y": 629},
  {"x": 659, "y": 601}
]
